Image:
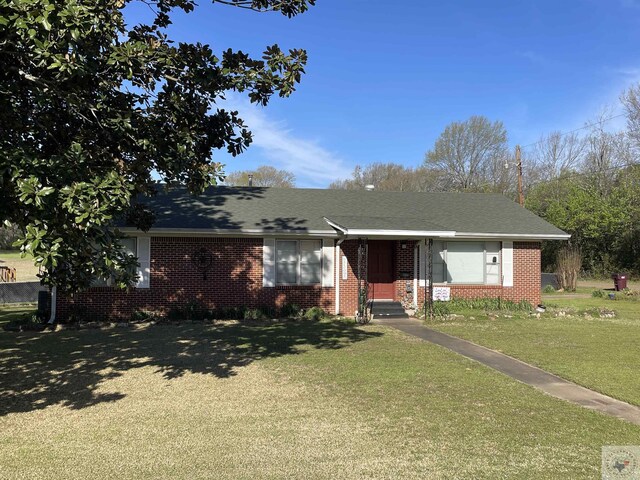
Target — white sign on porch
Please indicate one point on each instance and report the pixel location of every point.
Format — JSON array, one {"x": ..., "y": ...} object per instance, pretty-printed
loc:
[{"x": 441, "y": 294}]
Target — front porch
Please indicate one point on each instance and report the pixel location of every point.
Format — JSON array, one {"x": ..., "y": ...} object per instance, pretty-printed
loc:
[{"x": 395, "y": 272}]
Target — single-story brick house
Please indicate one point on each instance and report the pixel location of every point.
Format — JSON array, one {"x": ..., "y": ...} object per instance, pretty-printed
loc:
[{"x": 255, "y": 247}]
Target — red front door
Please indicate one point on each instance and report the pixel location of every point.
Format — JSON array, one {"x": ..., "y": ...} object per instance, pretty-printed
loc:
[{"x": 380, "y": 270}]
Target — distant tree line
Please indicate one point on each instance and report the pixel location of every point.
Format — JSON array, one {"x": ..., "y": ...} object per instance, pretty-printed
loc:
[{"x": 585, "y": 182}]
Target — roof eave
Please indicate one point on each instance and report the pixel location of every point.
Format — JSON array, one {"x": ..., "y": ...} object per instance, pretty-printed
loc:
[
  {"x": 514, "y": 236},
  {"x": 243, "y": 232}
]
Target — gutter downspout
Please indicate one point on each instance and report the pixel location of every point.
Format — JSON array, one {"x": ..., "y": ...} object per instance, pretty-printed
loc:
[{"x": 52, "y": 318}]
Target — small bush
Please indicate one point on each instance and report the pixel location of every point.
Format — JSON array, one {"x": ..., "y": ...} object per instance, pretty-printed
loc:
[
  {"x": 176, "y": 312},
  {"x": 138, "y": 316},
  {"x": 254, "y": 314},
  {"x": 234, "y": 313},
  {"x": 598, "y": 294},
  {"x": 315, "y": 314},
  {"x": 290, "y": 310},
  {"x": 549, "y": 289},
  {"x": 195, "y": 310}
]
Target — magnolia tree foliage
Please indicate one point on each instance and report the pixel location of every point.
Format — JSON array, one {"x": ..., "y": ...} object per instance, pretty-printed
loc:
[{"x": 90, "y": 107}]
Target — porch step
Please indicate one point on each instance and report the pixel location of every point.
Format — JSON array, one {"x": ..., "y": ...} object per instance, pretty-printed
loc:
[{"x": 388, "y": 310}]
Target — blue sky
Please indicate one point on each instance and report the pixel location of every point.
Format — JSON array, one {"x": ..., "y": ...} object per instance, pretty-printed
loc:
[{"x": 384, "y": 78}]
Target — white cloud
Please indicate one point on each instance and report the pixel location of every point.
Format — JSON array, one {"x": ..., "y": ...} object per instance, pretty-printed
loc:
[{"x": 312, "y": 164}]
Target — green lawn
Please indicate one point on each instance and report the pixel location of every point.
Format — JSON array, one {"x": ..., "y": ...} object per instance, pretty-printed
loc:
[
  {"x": 284, "y": 400},
  {"x": 599, "y": 353},
  {"x": 14, "y": 311},
  {"x": 26, "y": 271}
]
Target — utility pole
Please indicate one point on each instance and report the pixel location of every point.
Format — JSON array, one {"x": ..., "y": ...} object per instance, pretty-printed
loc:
[{"x": 520, "y": 187}]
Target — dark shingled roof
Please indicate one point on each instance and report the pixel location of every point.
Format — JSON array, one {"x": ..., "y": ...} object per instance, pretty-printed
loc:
[{"x": 279, "y": 210}]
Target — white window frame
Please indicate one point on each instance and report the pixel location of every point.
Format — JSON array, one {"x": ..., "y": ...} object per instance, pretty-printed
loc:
[
  {"x": 485, "y": 263},
  {"x": 299, "y": 263}
]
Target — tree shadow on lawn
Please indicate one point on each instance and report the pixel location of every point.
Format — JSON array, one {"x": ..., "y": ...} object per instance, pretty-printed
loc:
[{"x": 67, "y": 368}]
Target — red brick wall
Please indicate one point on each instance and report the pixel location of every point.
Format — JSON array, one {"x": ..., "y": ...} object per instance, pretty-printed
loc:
[
  {"x": 404, "y": 263},
  {"x": 234, "y": 279},
  {"x": 349, "y": 287}
]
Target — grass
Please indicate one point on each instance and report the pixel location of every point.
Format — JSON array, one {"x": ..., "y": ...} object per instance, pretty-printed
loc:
[
  {"x": 280, "y": 400},
  {"x": 599, "y": 353},
  {"x": 14, "y": 311},
  {"x": 26, "y": 271}
]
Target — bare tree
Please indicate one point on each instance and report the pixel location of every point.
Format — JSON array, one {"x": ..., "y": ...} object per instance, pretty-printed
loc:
[
  {"x": 631, "y": 101},
  {"x": 264, "y": 176},
  {"x": 390, "y": 177},
  {"x": 469, "y": 153},
  {"x": 605, "y": 152},
  {"x": 557, "y": 154}
]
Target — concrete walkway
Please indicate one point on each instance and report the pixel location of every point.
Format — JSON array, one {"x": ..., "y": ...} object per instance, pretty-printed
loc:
[{"x": 523, "y": 372}]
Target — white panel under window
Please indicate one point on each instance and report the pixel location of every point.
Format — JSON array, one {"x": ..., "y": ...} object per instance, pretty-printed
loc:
[
  {"x": 465, "y": 262},
  {"x": 143, "y": 248}
]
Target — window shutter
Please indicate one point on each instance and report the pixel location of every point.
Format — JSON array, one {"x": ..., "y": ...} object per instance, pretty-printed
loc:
[
  {"x": 269, "y": 262},
  {"x": 507, "y": 264},
  {"x": 144, "y": 259},
  {"x": 327, "y": 262}
]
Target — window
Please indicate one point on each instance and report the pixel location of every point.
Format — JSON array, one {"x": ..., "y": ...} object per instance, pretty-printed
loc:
[
  {"x": 298, "y": 262},
  {"x": 464, "y": 263},
  {"x": 130, "y": 248}
]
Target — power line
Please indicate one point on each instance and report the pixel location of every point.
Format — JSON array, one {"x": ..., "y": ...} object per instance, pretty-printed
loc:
[{"x": 588, "y": 125}]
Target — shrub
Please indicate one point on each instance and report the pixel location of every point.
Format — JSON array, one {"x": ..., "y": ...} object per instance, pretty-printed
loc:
[
  {"x": 195, "y": 310},
  {"x": 549, "y": 289},
  {"x": 234, "y": 313},
  {"x": 598, "y": 294},
  {"x": 315, "y": 314},
  {"x": 290, "y": 310},
  {"x": 176, "y": 312},
  {"x": 142, "y": 316},
  {"x": 569, "y": 263},
  {"x": 255, "y": 314}
]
